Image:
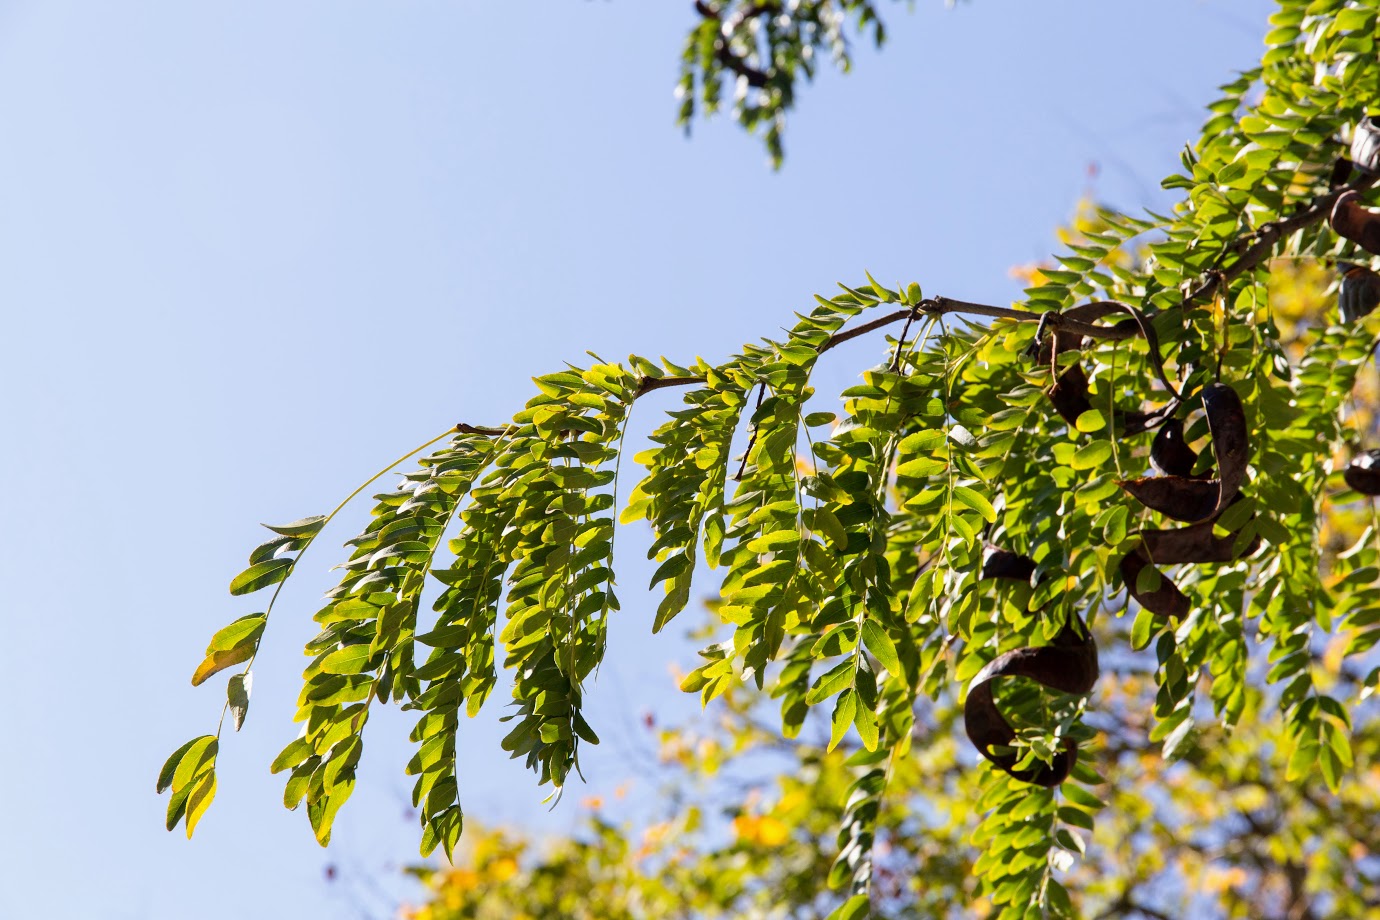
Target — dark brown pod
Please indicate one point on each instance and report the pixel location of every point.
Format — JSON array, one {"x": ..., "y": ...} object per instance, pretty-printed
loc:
[
  {"x": 1165, "y": 601},
  {"x": 1069, "y": 394},
  {"x": 1068, "y": 665},
  {"x": 1360, "y": 292},
  {"x": 1194, "y": 500},
  {"x": 1363, "y": 473},
  {"x": 1357, "y": 223},
  {"x": 1002, "y": 563},
  {"x": 1365, "y": 146},
  {"x": 1193, "y": 544},
  {"x": 1168, "y": 452}
]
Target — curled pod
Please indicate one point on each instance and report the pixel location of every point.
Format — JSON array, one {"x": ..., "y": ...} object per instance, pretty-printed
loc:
[
  {"x": 1189, "y": 499},
  {"x": 1365, "y": 146},
  {"x": 1360, "y": 291},
  {"x": 1352, "y": 220},
  {"x": 1069, "y": 664},
  {"x": 1168, "y": 451},
  {"x": 1002, "y": 563},
  {"x": 1193, "y": 544},
  {"x": 1363, "y": 473}
]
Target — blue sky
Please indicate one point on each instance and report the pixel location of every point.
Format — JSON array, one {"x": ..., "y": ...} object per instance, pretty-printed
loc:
[{"x": 253, "y": 250}]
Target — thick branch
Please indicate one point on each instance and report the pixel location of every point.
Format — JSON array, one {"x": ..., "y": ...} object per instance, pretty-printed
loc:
[{"x": 1254, "y": 248}]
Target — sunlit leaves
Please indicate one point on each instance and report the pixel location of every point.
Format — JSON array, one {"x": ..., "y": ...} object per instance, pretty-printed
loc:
[
  {"x": 230, "y": 646},
  {"x": 190, "y": 775}
]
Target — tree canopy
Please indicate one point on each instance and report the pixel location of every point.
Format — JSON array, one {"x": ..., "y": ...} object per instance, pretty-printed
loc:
[{"x": 1123, "y": 531}]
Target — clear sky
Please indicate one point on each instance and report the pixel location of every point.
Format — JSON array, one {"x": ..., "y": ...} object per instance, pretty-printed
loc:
[{"x": 251, "y": 251}]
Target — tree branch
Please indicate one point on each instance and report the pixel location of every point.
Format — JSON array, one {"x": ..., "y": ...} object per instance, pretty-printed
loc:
[
  {"x": 755, "y": 77},
  {"x": 1254, "y": 248}
]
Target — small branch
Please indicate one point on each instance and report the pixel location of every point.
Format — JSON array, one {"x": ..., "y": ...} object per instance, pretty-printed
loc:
[
  {"x": 752, "y": 441},
  {"x": 935, "y": 306},
  {"x": 838, "y": 338},
  {"x": 463, "y": 428},
  {"x": 1050, "y": 319},
  {"x": 755, "y": 77}
]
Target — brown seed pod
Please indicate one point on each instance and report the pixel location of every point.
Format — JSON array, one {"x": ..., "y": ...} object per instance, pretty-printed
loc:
[
  {"x": 1169, "y": 453},
  {"x": 1069, "y": 665},
  {"x": 1363, "y": 473},
  {"x": 1193, "y": 544},
  {"x": 1365, "y": 146},
  {"x": 1069, "y": 394},
  {"x": 1192, "y": 500},
  {"x": 1360, "y": 291},
  {"x": 1357, "y": 223}
]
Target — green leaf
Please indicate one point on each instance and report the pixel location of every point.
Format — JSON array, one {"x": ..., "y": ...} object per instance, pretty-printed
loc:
[
  {"x": 352, "y": 659},
  {"x": 1090, "y": 421},
  {"x": 855, "y": 908},
  {"x": 1091, "y": 455},
  {"x": 1076, "y": 817},
  {"x": 844, "y": 709},
  {"x": 260, "y": 575},
  {"x": 199, "y": 756},
  {"x": 216, "y": 662},
  {"x": 305, "y": 527},
  {"x": 200, "y": 799},
  {"x": 865, "y": 720},
  {"x": 1143, "y": 628},
  {"x": 881, "y": 646},
  {"x": 830, "y": 682},
  {"x": 977, "y": 502},
  {"x": 244, "y": 630},
  {"x": 165, "y": 775},
  {"x": 297, "y": 750}
]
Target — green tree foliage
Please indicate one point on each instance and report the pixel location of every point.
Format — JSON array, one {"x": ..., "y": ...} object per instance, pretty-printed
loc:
[
  {"x": 766, "y": 48},
  {"x": 972, "y": 523}
]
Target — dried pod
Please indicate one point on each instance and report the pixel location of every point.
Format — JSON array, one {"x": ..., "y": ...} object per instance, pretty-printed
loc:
[
  {"x": 1169, "y": 453},
  {"x": 1193, "y": 544},
  {"x": 1068, "y": 665},
  {"x": 1355, "y": 222},
  {"x": 1365, "y": 146},
  {"x": 1165, "y": 601},
  {"x": 1360, "y": 292},
  {"x": 1069, "y": 394},
  {"x": 1193, "y": 500},
  {"x": 1002, "y": 563},
  {"x": 1363, "y": 473}
]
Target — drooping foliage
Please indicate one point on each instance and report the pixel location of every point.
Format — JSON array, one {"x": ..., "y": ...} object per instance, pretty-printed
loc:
[
  {"x": 856, "y": 548},
  {"x": 747, "y": 824}
]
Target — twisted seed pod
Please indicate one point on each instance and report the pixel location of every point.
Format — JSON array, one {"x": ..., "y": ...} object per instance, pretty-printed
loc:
[
  {"x": 1192, "y": 500},
  {"x": 1360, "y": 291},
  {"x": 1069, "y": 664},
  {"x": 1363, "y": 473},
  {"x": 1357, "y": 223},
  {"x": 1197, "y": 500}
]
